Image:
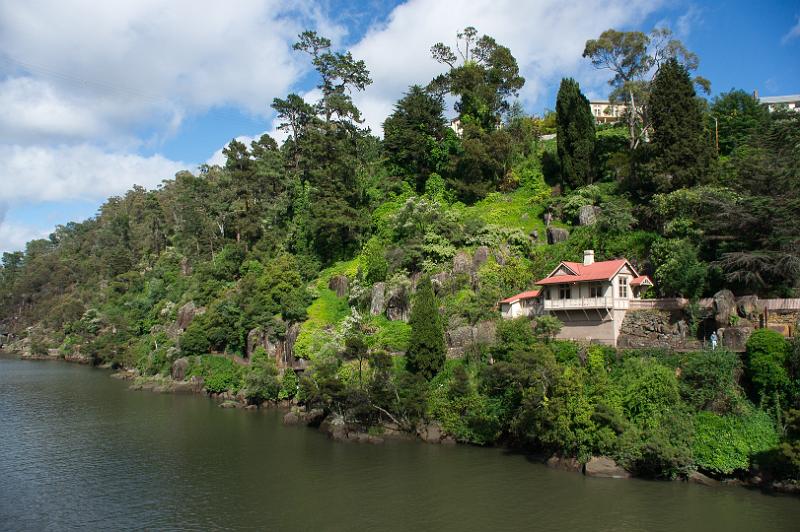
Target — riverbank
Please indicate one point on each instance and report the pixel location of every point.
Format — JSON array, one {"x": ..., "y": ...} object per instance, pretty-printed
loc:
[{"x": 337, "y": 428}]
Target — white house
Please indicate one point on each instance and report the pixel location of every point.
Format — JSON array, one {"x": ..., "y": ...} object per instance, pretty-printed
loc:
[
  {"x": 606, "y": 112},
  {"x": 790, "y": 102},
  {"x": 590, "y": 298}
]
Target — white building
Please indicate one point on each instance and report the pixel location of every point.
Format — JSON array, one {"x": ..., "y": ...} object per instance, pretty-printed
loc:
[
  {"x": 590, "y": 298},
  {"x": 789, "y": 102},
  {"x": 606, "y": 112}
]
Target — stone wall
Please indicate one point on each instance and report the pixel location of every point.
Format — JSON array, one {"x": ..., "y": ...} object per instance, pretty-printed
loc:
[
  {"x": 655, "y": 328},
  {"x": 784, "y": 321},
  {"x": 462, "y": 338}
]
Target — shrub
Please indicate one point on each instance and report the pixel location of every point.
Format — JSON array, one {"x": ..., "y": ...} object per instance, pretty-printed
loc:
[
  {"x": 261, "y": 380},
  {"x": 289, "y": 385},
  {"x": 649, "y": 391},
  {"x": 219, "y": 373},
  {"x": 426, "y": 348},
  {"x": 708, "y": 379},
  {"x": 767, "y": 352},
  {"x": 724, "y": 444}
]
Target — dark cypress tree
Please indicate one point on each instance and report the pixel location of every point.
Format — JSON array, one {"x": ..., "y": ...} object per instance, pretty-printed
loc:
[
  {"x": 426, "y": 349},
  {"x": 575, "y": 134},
  {"x": 681, "y": 146},
  {"x": 410, "y": 134}
]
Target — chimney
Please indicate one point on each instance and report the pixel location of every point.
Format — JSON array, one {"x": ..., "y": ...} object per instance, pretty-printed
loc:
[
  {"x": 588, "y": 257},
  {"x": 755, "y": 95}
]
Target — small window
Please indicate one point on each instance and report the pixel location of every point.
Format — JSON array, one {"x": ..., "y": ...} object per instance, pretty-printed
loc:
[
  {"x": 547, "y": 293},
  {"x": 623, "y": 287},
  {"x": 564, "y": 292}
]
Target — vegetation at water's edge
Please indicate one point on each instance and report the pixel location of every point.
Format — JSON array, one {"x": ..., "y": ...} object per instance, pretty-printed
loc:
[{"x": 250, "y": 253}]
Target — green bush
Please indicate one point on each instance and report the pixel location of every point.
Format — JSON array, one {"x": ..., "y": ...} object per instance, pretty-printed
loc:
[
  {"x": 261, "y": 379},
  {"x": 219, "y": 373},
  {"x": 289, "y": 384},
  {"x": 708, "y": 380},
  {"x": 724, "y": 444},
  {"x": 649, "y": 391},
  {"x": 767, "y": 353}
]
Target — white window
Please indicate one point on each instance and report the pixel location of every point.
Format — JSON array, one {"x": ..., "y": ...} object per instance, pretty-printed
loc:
[{"x": 623, "y": 287}]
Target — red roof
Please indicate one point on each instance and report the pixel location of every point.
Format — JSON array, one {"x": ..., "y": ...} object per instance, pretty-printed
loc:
[
  {"x": 598, "y": 271},
  {"x": 641, "y": 280},
  {"x": 530, "y": 294}
]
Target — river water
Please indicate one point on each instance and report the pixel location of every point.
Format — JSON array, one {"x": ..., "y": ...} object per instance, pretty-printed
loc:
[{"x": 79, "y": 451}]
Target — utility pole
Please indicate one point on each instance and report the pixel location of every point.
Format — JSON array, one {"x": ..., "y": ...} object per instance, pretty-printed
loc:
[{"x": 716, "y": 134}]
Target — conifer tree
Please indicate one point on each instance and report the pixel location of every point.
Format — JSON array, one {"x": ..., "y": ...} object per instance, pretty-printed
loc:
[
  {"x": 575, "y": 134},
  {"x": 681, "y": 146},
  {"x": 426, "y": 350}
]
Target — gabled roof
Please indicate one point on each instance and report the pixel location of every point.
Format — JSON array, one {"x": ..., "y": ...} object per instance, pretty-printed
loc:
[
  {"x": 530, "y": 294},
  {"x": 642, "y": 280},
  {"x": 598, "y": 271}
]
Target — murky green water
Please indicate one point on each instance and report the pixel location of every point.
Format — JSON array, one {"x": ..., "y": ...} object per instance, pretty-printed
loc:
[{"x": 78, "y": 450}]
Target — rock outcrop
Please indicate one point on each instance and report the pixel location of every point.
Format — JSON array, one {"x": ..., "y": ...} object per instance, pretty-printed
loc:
[
  {"x": 604, "y": 467},
  {"x": 724, "y": 307},
  {"x": 398, "y": 303},
  {"x": 588, "y": 215},
  {"x": 459, "y": 339},
  {"x": 462, "y": 263},
  {"x": 556, "y": 235},
  {"x": 339, "y": 284},
  {"x": 480, "y": 257},
  {"x": 179, "y": 368},
  {"x": 735, "y": 338},
  {"x": 378, "y": 301}
]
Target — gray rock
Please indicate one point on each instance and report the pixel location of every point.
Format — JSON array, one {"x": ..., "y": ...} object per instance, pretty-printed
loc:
[
  {"x": 485, "y": 332},
  {"x": 534, "y": 235},
  {"x": 339, "y": 284},
  {"x": 462, "y": 262},
  {"x": 556, "y": 235},
  {"x": 440, "y": 281},
  {"x": 723, "y": 306},
  {"x": 480, "y": 257},
  {"x": 604, "y": 467},
  {"x": 378, "y": 303},
  {"x": 564, "y": 463},
  {"x": 431, "y": 432},
  {"x": 588, "y": 215},
  {"x": 186, "y": 314},
  {"x": 698, "y": 478},
  {"x": 735, "y": 338},
  {"x": 749, "y": 307},
  {"x": 398, "y": 304},
  {"x": 179, "y": 368},
  {"x": 459, "y": 337}
]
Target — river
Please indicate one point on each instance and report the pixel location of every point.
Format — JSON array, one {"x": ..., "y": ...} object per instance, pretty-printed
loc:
[{"x": 79, "y": 451}]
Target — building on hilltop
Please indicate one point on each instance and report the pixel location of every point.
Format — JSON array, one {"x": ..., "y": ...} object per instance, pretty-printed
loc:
[
  {"x": 606, "y": 112},
  {"x": 589, "y": 298},
  {"x": 790, "y": 102}
]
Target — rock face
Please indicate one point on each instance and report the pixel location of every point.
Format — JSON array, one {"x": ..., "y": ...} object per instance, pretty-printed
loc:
[
  {"x": 462, "y": 263},
  {"x": 339, "y": 284},
  {"x": 556, "y": 235},
  {"x": 433, "y": 433},
  {"x": 480, "y": 257},
  {"x": 604, "y": 467},
  {"x": 398, "y": 304},
  {"x": 185, "y": 316},
  {"x": 378, "y": 303},
  {"x": 735, "y": 338},
  {"x": 461, "y": 338},
  {"x": 749, "y": 307},
  {"x": 588, "y": 215},
  {"x": 440, "y": 282},
  {"x": 699, "y": 478},
  {"x": 300, "y": 416},
  {"x": 338, "y": 429},
  {"x": 565, "y": 464},
  {"x": 723, "y": 306},
  {"x": 653, "y": 328},
  {"x": 179, "y": 368},
  {"x": 280, "y": 349}
]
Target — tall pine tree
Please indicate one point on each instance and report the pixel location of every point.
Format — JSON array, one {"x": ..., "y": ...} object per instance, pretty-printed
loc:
[
  {"x": 575, "y": 134},
  {"x": 681, "y": 146},
  {"x": 426, "y": 350}
]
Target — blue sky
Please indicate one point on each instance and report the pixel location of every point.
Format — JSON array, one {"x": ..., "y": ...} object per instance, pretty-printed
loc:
[{"x": 95, "y": 98}]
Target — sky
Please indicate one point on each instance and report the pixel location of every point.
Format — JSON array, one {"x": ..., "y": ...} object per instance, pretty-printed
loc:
[{"x": 98, "y": 96}]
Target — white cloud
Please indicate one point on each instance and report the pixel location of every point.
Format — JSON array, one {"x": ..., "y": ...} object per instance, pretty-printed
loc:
[
  {"x": 546, "y": 37},
  {"x": 103, "y": 67},
  {"x": 14, "y": 236},
  {"x": 793, "y": 33},
  {"x": 36, "y": 173}
]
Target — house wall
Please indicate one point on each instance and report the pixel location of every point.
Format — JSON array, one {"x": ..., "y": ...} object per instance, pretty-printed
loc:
[{"x": 578, "y": 327}]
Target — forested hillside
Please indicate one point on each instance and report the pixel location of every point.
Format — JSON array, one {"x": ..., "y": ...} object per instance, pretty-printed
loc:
[{"x": 253, "y": 246}]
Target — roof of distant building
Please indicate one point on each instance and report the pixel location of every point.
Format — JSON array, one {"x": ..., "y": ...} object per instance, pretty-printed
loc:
[
  {"x": 780, "y": 99},
  {"x": 597, "y": 271}
]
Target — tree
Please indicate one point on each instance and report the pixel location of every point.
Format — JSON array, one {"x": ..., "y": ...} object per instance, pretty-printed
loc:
[
  {"x": 411, "y": 133},
  {"x": 767, "y": 353},
  {"x": 678, "y": 271},
  {"x": 547, "y": 327},
  {"x": 575, "y": 134},
  {"x": 680, "y": 142},
  {"x": 739, "y": 116},
  {"x": 426, "y": 349},
  {"x": 487, "y": 76},
  {"x": 632, "y": 56}
]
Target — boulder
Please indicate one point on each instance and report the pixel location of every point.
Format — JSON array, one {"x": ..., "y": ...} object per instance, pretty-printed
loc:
[
  {"x": 723, "y": 306},
  {"x": 588, "y": 215},
  {"x": 534, "y": 235},
  {"x": 697, "y": 477},
  {"x": 334, "y": 426},
  {"x": 300, "y": 416},
  {"x": 556, "y": 235},
  {"x": 564, "y": 463},
  {"x": 480, "y": 257},
  {"x": 398, "y": 304},
  {"x": 462, "y": 263},
  {"x": 459, "y": 337},
  {"x": 378, "y": 302},
  {"x": 604, "y": 467},
  {"x": 339, "y": 284},
  {"x": 431, "y": 432},
  {"x": 749, "y": 307},
  {"x": 735, "y": 338},
  {"x": 179, "y": 368}
]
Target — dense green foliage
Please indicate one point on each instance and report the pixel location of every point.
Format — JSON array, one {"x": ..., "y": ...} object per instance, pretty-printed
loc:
[{"x": 320, "y": 246}]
